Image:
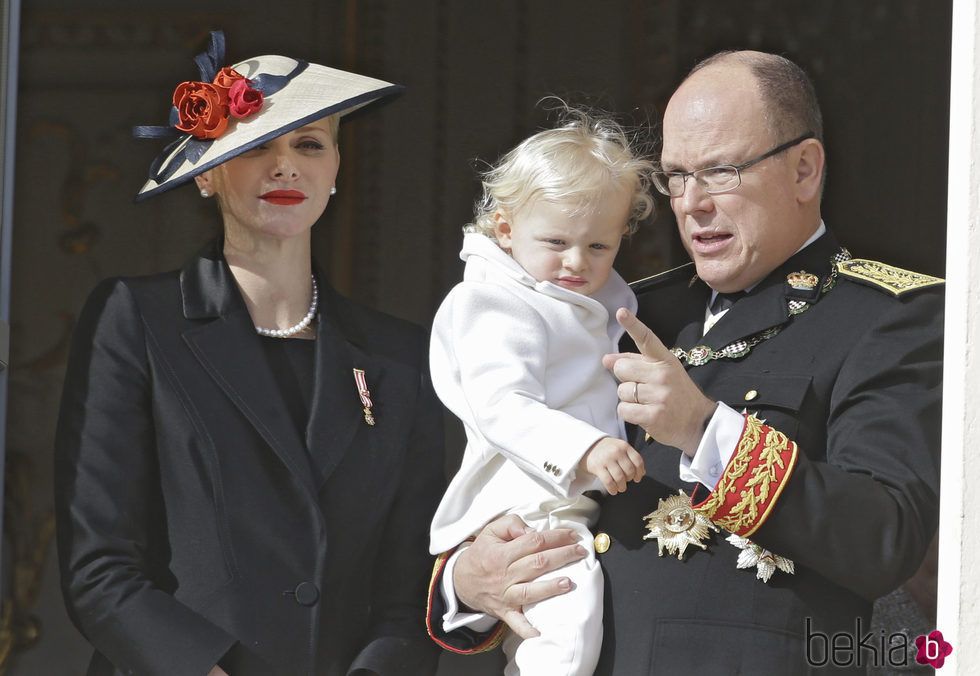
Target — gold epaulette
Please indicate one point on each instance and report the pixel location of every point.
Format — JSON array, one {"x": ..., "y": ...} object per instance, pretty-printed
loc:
[{"x": 886, "y": 277}]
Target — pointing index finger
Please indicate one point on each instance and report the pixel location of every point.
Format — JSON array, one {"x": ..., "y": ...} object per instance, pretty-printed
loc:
[{"x": 645, "y": 339}]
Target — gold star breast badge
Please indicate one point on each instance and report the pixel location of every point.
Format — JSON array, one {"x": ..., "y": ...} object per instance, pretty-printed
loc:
[{"x": 676, "y": 525}]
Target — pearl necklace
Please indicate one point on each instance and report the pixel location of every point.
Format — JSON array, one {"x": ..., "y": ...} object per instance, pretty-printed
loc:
[{"x": 293, "y": 330}]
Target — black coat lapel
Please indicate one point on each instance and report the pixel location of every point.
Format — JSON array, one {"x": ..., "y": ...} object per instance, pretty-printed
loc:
[
  {"x": 690, "y": 335},
  {"x": 337, "y": 413},
  {"x": 230, "y": 350},
  {"x": 766, "y": 305},
  {"x": 764, "y": 308},
  {"x": 670, "y": 304}
]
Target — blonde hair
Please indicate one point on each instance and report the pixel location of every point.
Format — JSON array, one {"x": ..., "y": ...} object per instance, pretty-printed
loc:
[
  {"x": 333, "y": 126},
  {"x": 578, "y": 160}
]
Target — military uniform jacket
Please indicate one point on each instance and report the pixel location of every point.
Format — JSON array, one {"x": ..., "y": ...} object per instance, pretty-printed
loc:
[
  {"x": 847, "y": 397},
  {"x": 196, "y": 521}
]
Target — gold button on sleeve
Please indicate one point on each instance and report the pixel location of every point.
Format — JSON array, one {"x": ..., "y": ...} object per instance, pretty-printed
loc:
[{"x": 751, "y": 394}]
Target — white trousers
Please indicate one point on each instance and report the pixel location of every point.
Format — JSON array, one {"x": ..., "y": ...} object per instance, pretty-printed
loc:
[{"x": 570, "y": 624}]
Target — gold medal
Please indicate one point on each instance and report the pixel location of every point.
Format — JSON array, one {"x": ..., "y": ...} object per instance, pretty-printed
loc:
[
  {"x": 676, "y": 525},
  {"x": 360, "y": 380}
]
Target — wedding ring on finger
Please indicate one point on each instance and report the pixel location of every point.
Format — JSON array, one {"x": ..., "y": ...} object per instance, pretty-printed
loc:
[{"x": 636, "y": 393}]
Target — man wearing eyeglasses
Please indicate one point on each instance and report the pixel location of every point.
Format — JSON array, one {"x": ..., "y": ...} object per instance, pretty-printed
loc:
[{"x": 790, "y": 434}]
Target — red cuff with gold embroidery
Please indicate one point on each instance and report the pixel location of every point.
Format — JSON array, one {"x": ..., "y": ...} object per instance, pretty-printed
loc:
[
  {"x": 463, "y": 641},
  {"x": 752, "y": 482}
]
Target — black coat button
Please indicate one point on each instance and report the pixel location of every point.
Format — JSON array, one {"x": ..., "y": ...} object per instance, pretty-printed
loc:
[{"x": 306, "y": 593}]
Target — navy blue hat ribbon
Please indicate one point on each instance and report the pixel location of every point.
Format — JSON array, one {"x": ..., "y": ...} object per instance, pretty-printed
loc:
[{"x": 209, "y": 63}]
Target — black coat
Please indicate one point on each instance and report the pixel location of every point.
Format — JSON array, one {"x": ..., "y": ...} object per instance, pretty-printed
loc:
[
  {"x": 193, "y": 523},
  {"x": 856, "y": 381}
]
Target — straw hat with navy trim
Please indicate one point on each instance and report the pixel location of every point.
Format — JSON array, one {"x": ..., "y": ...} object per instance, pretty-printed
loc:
[{"x": 232, "y": 110}]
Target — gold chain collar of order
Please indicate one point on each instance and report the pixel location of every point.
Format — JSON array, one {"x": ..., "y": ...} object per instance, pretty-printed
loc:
[{"x": 702, "y": 354}]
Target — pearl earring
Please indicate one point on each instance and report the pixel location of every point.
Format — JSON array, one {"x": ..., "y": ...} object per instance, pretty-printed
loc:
[
  {"x": 205, "y": 193},
  {"x": 333, "y": 190}
]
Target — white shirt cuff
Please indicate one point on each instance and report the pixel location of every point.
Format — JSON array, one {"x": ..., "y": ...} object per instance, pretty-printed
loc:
[
  {"x": 454, "y": 619},
  {"x": 716, "y": 448}
]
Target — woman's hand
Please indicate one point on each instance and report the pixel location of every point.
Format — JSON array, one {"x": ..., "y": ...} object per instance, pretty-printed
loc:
[{"x": 497, "y": 574}]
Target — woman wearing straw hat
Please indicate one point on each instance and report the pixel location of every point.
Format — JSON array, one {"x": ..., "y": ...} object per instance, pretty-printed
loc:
[{"x": 247, "y": 462}]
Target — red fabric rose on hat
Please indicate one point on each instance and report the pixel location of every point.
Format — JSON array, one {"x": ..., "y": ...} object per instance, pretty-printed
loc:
[
  {"x": 243, "y": 100},
  {"x": 202, "y": 109}
]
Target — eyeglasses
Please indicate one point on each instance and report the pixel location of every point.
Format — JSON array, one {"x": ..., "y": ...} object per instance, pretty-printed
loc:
[{"x": 718, "y": 179}]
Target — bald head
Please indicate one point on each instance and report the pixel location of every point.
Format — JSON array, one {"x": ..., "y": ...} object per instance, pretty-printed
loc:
[
  {"x": 714, "y": 107},
  {"x": 786, "y": 91},
  {"x": 726, "y": 114}
]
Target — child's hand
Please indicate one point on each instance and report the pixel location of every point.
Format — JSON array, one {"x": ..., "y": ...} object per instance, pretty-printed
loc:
[{"x": 614, "y": 462}]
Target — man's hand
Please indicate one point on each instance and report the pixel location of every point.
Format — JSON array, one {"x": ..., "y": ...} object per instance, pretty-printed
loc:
[
  {"x": 655, "y": 391},
  {"x": 614, "y": 462},
  {"x": 497, "y": 573}
]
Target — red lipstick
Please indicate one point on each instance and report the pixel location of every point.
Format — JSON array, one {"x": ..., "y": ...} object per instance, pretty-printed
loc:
[{"x": 283, "y": 197}]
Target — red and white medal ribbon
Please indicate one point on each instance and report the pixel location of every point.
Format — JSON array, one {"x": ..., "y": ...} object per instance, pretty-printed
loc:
[{"x": 365, "y": 394}]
